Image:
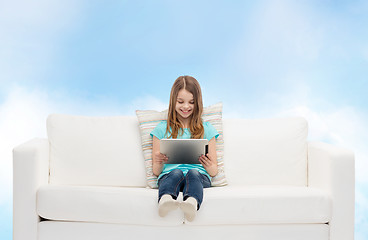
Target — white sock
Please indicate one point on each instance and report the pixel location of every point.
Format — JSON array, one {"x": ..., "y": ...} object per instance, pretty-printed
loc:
[
  {"x": 167, "y": 204},
  {"x": 189, "y": 207}
]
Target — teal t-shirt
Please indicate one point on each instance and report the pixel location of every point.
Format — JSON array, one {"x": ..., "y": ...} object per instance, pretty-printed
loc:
[{"x": 160, "y": 132}]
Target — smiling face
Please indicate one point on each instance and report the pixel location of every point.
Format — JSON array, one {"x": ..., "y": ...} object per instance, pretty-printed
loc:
[
  {"x": 185, "y": 108},
  {"x": 184, "y": 105}
]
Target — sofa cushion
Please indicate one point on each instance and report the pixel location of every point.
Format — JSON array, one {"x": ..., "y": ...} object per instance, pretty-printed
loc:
[
  {"x": 104, "y": 205},
  {"x": 266, "y": 151},
  {"x": 221, "y": 205},
  {"x": 148, "y": 120},
  {"x": 263, "y": 205},
  {"x": 95, "y": 151}
]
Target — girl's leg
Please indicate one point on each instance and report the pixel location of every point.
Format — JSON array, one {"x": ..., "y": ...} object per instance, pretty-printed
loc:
[
  {"x": 169, "y": 187},
  {"x": 170, "y": 184},
  {"x": 193, "y": 193},
  {"x": 194, "y": 184}
]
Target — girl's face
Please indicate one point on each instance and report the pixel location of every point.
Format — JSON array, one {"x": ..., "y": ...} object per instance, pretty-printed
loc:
[{"x": 184, "y": 104}]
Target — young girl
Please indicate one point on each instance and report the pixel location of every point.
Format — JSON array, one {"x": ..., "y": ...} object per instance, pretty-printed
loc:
[{"x": 184, "y": 121}]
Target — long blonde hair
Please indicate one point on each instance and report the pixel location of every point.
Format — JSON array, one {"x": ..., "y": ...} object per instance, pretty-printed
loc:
[{"x": 195, "y": 125}]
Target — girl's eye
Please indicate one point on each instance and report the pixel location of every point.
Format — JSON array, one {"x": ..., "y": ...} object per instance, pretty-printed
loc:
[{"x": 181, "y": 102}]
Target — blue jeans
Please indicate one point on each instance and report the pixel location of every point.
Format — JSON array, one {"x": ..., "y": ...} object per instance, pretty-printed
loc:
[{"x": 191, "y": 185}]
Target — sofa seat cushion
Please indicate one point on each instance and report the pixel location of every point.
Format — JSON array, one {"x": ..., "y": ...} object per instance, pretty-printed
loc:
[
  {"x": 103, "y": 204},
  {"x": 263, "y": 205},
  {"x": 221, "y": 205}
]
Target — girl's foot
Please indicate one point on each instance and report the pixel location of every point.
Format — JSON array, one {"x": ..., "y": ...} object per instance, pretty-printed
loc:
[
  {"x": 189, "y": 207},
  {"x": 166, "y": 204}
]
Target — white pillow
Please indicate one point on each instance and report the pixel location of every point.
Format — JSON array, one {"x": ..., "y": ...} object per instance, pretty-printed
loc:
[{"x": 148, "y": 120}]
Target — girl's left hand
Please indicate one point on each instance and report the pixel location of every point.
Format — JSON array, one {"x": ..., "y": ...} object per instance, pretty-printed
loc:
[{"x": 209, "y": 164}]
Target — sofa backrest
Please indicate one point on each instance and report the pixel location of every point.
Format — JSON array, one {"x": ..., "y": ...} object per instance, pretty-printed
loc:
[
  {"x": 95, "y": 151},
  {"x": 107, "y": 151},
  {"x": 266, "y": 151}
]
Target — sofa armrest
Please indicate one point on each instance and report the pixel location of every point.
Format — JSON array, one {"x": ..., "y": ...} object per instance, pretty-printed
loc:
[
  {"x": 332, "y": 169},
  {"x": 30, "y": 171}
]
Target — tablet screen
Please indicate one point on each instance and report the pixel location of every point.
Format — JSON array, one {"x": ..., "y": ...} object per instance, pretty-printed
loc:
[{"x": 183, "y": 151}]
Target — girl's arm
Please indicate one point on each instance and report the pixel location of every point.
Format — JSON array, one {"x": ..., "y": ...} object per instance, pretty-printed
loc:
[
  {"x": 209, "y": 162},
  {"x": 158, "y": 159}
]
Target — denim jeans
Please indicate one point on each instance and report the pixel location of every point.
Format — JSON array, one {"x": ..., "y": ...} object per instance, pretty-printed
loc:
[{"x": 191, "y": 185}]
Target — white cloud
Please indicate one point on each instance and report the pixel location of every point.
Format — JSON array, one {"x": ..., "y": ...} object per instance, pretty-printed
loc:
[{"x": 148, "y": 102}]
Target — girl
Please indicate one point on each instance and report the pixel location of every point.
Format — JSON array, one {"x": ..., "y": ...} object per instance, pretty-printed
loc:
[{"x": 184, "y": 121}]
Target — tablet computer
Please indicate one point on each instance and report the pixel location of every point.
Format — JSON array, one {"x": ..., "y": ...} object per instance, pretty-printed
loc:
[{"x": 183, "y": 151}]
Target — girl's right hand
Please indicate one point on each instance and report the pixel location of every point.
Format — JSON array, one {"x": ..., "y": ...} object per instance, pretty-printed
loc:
[{"x": 160, "y": 158}]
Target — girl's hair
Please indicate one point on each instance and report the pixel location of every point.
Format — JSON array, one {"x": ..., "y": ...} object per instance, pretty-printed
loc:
[{"x": 173, "y": 124}]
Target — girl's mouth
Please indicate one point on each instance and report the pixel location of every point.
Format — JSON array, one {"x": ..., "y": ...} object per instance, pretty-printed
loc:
[{"x": 186, "y": 112}]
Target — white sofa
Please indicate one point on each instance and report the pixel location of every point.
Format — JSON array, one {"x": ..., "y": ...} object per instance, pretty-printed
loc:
[{"x": 88, "y": 181}]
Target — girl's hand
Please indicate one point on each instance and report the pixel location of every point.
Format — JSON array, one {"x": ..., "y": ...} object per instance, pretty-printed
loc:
[
  {"x": 159, "y": 158},
  {"x": 209, "y": 164}
]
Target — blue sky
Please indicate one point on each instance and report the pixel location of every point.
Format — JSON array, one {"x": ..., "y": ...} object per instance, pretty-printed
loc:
[{"x": 261, "y": 59}]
